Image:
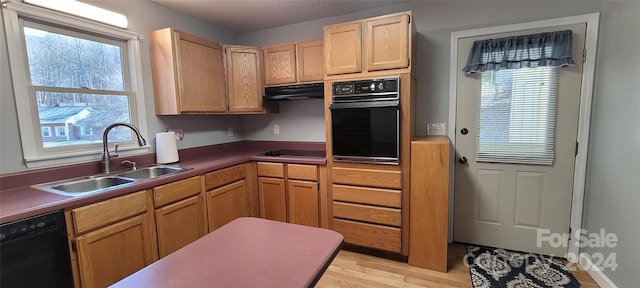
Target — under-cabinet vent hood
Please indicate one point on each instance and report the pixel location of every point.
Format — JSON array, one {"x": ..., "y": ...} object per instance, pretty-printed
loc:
[{"x": 295, "y": 92}]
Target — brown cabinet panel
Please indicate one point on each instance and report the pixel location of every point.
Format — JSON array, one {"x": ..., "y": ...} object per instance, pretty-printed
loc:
[
  {"x": 367, "y": 213},
  {"x": 225, "y": 176},
  {"x": 271, "y": 169},
  {"x": 273, "y": 203},
  {"x": 227, "y": 203},
  {"x": 188, "y": 73},
  {"x": 103, "y": 213},
  {"x": 303, "y": 203},
  {"x": 387, "y": 43},
  {"x": 343, "y": 48},
  {"x": 168, "y": 193},
  {"x": 365, "y": 195},
  {"x": 280, "y": 64},
  {"x": 114, "y": 252},
  {"x": 302, "y": 172},
  {"x": 429, "y": 203},
  {"x": 179, "y": 224},
  {"x": 310, "y": 60},
  {"x": 244, "y": 79},
  {"x": 367, "y": 177},
  {"x": 369, "y": 235}
]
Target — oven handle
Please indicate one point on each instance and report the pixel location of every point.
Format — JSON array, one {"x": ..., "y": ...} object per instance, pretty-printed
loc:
[{"x": 372, "y": 104}]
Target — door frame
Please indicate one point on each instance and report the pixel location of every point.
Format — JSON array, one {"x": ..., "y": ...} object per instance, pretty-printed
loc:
[{"x": 584, "y": 117}]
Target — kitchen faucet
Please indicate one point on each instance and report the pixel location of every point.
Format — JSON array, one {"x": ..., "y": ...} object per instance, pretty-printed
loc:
[{"x": 106, "y": 156}]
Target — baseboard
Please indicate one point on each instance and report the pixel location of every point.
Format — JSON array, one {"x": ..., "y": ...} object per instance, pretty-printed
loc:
[{"x": 595, "y": 272}]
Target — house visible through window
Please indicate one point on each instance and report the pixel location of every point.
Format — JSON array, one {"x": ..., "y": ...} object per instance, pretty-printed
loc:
[{"x": 75, "y": 77}]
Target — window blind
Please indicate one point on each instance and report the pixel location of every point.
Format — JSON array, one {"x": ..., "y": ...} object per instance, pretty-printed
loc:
[{"x": 516, "y": 116}]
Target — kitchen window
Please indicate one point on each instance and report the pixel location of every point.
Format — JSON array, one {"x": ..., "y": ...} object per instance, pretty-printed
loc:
[{"x": 77, "y": 76}]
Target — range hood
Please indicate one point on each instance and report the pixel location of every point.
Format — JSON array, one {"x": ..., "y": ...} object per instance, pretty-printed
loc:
[{"x": 295, "y": 92}]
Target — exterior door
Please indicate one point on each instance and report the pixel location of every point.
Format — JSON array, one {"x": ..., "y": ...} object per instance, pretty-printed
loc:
[{"x": 509, "y": 205}]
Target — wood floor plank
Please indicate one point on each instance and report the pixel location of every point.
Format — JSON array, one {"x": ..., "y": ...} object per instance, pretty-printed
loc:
[{"x": 358, "y": 270}]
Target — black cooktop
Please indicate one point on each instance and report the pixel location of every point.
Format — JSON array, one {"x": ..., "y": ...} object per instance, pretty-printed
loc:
[{"x": 295, "y": 153}]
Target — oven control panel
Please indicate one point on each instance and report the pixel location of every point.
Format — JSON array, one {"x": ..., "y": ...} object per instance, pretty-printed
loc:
[
  {"x": 367, "y": 90},
  {"x": 373, "y": 86}
]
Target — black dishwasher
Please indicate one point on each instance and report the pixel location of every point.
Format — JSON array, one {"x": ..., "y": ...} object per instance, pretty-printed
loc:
[{"x": 34, "y": 252}]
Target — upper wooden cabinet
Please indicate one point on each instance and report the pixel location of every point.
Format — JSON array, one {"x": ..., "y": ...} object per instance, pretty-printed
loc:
[
  {"x": 369, "y": 45},
  {"x": 188, "y": 73},
  {"x": 244, "y": 79},
  {"x": 292, "y": 63}
]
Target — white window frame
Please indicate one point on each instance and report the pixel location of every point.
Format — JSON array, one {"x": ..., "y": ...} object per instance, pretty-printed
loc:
[{"x": 34, "y": 156}]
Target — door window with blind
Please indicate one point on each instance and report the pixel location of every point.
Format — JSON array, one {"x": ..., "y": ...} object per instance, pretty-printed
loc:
[
  {"x": 517, "y": 116},
  {"x": 517, "y": 103}
]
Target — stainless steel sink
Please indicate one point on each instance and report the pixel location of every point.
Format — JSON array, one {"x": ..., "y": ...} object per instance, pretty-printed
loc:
[
  {"x": 151, "y": 172},
  {"x": 101, "y": 182},
  {"x": 85, "y": 185}
]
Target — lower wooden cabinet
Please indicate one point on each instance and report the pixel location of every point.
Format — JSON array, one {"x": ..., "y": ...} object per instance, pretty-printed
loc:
[
  {"x": 227, "y": 203},
  {"x": 231, "y": 194},
  {"x": 105, "y": 249},
  {"x": 180, "y": 214},
  {"x": 273, "y": 203},
  {"x": 179, "y": 224},
  {"x": 289, "y": 193},
  {"x": 112, "y": 253},
  {"x": 303, "y": 203}
]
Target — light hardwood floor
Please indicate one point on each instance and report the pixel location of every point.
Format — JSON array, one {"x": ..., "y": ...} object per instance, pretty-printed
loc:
[{"x": 351, "y": 269}]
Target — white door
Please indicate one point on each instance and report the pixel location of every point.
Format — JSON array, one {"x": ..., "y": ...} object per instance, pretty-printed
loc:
[{"x": 508, "y": 205}]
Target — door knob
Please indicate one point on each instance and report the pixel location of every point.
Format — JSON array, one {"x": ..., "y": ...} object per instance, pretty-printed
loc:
[
  {"x": 464, "y": 131},
  {"x": 463, "y": 160}
]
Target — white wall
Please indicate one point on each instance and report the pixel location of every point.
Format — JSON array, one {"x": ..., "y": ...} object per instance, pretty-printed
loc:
[{"x": 613, "y": 186}]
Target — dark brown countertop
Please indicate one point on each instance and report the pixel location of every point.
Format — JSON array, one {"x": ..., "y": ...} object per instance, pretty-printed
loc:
[
  {"x": 19, "y": 200},
  {"x": 247, "y": 252}
]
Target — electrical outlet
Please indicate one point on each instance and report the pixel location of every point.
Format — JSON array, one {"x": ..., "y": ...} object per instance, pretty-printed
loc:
[
  {"x": 230, "y": 131},
  {"x": 276, "y": 128},
  {"x": 437, "y": 129}
]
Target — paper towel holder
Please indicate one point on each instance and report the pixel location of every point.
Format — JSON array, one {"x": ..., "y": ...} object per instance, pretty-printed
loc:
[{"x": 179, "y": 133}]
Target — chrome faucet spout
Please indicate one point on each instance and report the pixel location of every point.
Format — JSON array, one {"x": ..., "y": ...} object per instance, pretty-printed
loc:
[{"x": 106, "y": 157}]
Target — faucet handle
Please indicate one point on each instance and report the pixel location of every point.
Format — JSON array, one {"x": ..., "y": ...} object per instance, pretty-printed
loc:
[
  {"x": 129, "y": 163},
  {"x": 115, "y": 151}
]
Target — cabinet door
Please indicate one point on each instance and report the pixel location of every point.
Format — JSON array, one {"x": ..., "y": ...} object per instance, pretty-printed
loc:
[
  {"x": 310, "y": 60},
  {"x": 227, "y": 203},
  {"x": 387, "y": 43},
  {"x": 280, "y": 64},
  {"x": 109, "y": 254},
  {"x": 272, "y": 199},
  {"x": 244, "y": 79},
  {"x": 179, "y": 224},
  {"x": 343, "y": 48},
  {"x": 303, "y": 203}
]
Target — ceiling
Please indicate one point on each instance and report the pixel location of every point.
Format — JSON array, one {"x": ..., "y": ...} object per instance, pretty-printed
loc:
[{"x": 241, "y": 16}]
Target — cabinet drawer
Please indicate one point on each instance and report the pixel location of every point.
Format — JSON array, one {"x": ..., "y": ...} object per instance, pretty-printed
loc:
[
  {"x": 302, "y": 172},
  {"x": 172, "y": 192},
  {"x": 110, "y": 211},
  {"x": 271, "y": 169},
  {"x": 369, "y": 235},
  {"x": 365, "y": 195},
  {"x": 373, "y": 214},
  {"x": 225, "y": 176},
  {"x": 367, "y": 177}
]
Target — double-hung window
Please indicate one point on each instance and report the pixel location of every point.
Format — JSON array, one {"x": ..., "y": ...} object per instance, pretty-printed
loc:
[{"x": 72, "y": 78}]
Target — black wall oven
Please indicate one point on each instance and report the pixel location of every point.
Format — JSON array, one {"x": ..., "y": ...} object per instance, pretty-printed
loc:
[{"x": 365, "y": 119}]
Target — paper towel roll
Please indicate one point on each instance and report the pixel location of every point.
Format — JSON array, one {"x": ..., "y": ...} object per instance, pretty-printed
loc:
[{"x": 166, "y": 148}]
